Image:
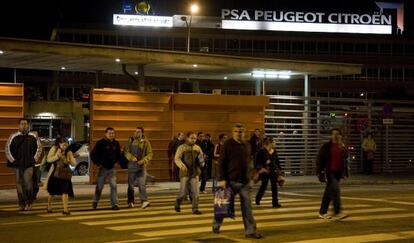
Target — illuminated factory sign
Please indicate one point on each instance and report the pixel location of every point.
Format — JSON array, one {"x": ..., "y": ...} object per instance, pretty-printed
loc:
[
  {"x": 143, "y": 20},
  {"x": 306, "y": 21}
]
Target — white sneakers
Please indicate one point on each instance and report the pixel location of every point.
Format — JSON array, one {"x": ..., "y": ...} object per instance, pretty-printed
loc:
[
  {"x": 339, "y": 216},
  {"x": 324, "y": 216},
  {"x": 336, "y": 217},
  {"x": 130, "y": 205},
  {"x": 145, "y": 204}
]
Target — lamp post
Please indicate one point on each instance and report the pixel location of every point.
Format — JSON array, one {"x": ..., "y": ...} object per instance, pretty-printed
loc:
[{"x": 193, "y": 10}]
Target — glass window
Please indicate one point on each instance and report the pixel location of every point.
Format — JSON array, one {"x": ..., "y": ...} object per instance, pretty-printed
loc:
[
  {"x": 259, "y": 45},
  {"x": 219, "y": 45},
  {"x": 246, "y": 45},
  {"x": 95, "y": 39},
  {"x": 372, "y": 49},
  {"x": 138, "y": 42},
  {"x": 180, "y": 44},
  {"x": 310, "y": 47},
  {"x": 385, "y": 73},
  {"x": 323, "y": 47},
  {"x": 271, "y": 45},
  {"x": 284, "y": 46},
  {"x": 297, "y": 47},
  {"x": 166, "y": 43},
  {"x": 124, "y": 41},
  {"x": 335, "y": 48},
  {"x": 347, "y": 48},
  {"x": 360, "y": 48},
  {"x": 109, "y": 40},
  {"x": 385, "y": 48},
  {"x": 233, "y": 45}
]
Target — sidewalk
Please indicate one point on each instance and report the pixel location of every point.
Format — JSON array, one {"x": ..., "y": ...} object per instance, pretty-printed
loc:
[{"x": 83, "y": 189}]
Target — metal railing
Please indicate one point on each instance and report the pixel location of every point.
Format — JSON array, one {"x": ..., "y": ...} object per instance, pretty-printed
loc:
[{"x": 300, "y": 132}]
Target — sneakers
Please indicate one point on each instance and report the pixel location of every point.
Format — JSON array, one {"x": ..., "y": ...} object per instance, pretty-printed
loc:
[
  {"x": 324, "y": 216},
  {"x": 340, "y": 216},
  {"x": 177, "y": 208},
  {"x": 216, "y": 230},
  {"x": 254, "y": 236},
  {"x": 131, "y": 205},
  {"x": 198, "y": 212},
  {"x": 203, "y": 192},
  {"x": 94, "y": 205},
  {"x": 145, "y": 204},
  {"x": 65, "y": 212},
  {"x": 115, "y": 207},
  {"x": 22, "y": 208},
  {"x": 28, "y": 207}
]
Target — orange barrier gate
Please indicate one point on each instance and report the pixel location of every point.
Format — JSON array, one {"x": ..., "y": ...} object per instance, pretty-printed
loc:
[
  {"x": 164, "y": 114},
  {"x": 11, "y": 110}
]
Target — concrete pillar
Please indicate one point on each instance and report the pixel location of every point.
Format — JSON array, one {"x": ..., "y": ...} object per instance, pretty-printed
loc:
[{"x": 258, "y": 87}]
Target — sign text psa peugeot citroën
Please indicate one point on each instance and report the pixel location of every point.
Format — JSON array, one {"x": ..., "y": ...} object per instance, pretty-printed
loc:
[{"x": 306, "y": 21}]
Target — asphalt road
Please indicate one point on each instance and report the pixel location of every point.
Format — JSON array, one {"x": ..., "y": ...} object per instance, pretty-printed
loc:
[{"x": 378, "y": 213}]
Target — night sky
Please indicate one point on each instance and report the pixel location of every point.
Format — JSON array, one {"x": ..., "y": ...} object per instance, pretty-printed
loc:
[{"x": 36, "y": 19}]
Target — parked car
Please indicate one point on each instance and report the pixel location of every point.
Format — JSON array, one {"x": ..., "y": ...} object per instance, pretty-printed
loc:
[{"x": 81, "y": 153}]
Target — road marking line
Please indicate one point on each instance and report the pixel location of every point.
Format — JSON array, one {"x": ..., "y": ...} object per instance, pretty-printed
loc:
[
  {"x": 240, "y": 226},
  {"x": 28, "y": 222},
  {"x": 197, "y": 221},
  {"x": 364, "y": 238}
]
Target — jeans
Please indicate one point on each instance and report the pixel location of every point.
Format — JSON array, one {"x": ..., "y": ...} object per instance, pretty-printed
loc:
[
  {"x": 264, "y": 177},
  {"x": 24, "y": 185},
  {"x": 188, "y": 184},
  {"x": 246, "y": 207},
  {"x": 132, "y": 177},
  {"x": 332, "y": 193},
  {"x": 111, "y": 174}
]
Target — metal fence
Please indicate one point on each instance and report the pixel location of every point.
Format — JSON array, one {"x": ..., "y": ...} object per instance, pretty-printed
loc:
[{"x": 301, "y": 125}]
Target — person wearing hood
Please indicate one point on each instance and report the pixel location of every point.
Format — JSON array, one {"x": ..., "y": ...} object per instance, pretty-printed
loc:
[{"x": 138, "y": 151}]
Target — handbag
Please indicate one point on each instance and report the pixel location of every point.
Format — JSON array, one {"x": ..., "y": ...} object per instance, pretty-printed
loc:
[
  {"x": 62, "y": 171},
  {"x": 223, "y": 203}
]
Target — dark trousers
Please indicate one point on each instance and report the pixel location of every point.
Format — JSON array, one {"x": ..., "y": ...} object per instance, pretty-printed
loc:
[
  {"x": 367, "y": 165},
  {"x": 204, "y": 176},
  {"x": 264, "y": 177},
  {"x": 332, "y": 193}
]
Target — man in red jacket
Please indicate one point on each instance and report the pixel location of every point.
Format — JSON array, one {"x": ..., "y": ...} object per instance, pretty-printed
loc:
[{"x": 331, "y": 167}]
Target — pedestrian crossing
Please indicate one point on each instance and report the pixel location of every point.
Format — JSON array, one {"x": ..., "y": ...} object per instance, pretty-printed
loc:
[{"x": 160, "y": 222}]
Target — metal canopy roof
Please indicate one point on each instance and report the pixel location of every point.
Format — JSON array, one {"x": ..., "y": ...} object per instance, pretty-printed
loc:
[{"x": 48, "y": 55}]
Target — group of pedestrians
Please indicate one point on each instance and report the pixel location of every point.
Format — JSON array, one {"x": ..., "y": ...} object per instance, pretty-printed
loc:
[{"x": 229, "y": 162}]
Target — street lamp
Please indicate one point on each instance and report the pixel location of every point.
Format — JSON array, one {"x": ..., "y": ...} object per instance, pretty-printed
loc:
[{"x": 193, "y": 10}]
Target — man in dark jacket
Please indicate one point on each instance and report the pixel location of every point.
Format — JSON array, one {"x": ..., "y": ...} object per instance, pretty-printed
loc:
[
  {"x": 331, "y": 167},
  {"x": 105, "y": 154},
  {"x": 233, "y": 170},
  {"x": 22, "y": 150}
]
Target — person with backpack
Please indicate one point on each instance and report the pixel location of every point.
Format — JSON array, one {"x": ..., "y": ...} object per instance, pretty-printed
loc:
[
  {"x": 59, "y": 177},
  {"x": 22, "y": 149},
  {"x": 104, "y": 155},
  {"x": 138, "y": 151},
  {"x": 189, "y": 158}
]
